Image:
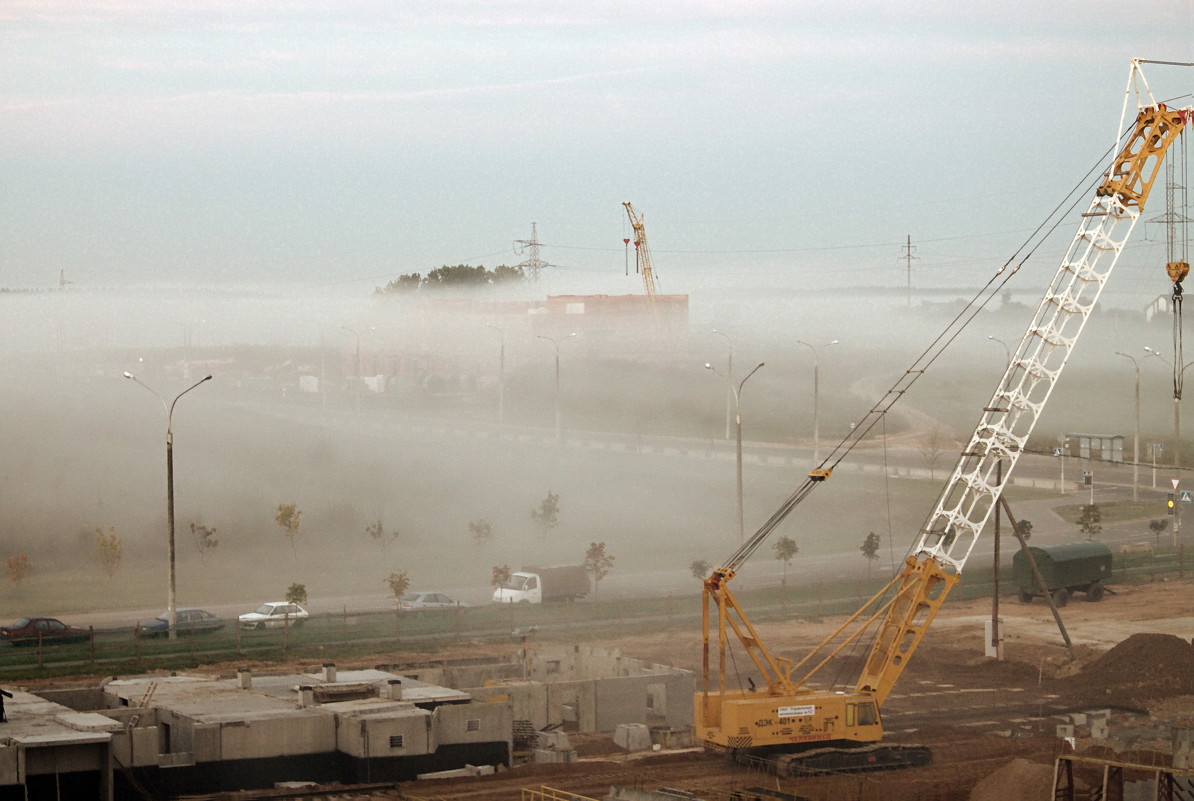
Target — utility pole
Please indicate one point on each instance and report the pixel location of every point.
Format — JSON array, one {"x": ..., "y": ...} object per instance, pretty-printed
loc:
[
  {"x": 907, "y": 257},
  {"x": 534, "y": 264}
]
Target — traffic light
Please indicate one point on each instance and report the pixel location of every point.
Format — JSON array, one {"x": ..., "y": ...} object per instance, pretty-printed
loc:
[{"x": 1169, "y": 503}]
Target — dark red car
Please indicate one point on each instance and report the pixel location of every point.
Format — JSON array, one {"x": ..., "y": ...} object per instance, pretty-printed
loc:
[{"x": 28, "y": 630}]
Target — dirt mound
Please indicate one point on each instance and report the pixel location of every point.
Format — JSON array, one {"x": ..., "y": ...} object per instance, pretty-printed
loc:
[
  {"x": 1018, "y": 780},
  {"x": 1139, "y": 669}
]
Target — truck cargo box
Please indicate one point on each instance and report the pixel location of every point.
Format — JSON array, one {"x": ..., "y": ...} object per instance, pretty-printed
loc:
[{"x": 1066, "y": 569}]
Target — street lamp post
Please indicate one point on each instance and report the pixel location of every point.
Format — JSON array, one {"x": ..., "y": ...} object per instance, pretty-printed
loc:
[
  {"x": 358, "y": 381},
  {"x": 556, "y": 341},
  {"x": 501, "y": 375},
  {"x": 1136, "y": 435},
  {"x": 1177, "y": 411},
  {"x": 737, "y": 390},
  {"x": 816, "y": 398},
  {"x": 1007, "y": 352},
  {"x": 171, "y": 604},
  {"x": 729, "y": 371}
]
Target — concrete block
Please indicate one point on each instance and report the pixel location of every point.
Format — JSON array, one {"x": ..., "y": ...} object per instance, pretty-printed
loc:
[
  {"x": 632, "y": 737},
  {"x": 668, "y": 737},
  {"x": 545, "y": 756},
  {"x": 1181, "y": 760},
  {"x": 1099, "y": 731},
  {"x": 1078, "y": 719},
  {"x": 1183, "y": 738},
  {"x": 1065, "y": 730},
  {"x": 467, "y": 772},
  {"x": 557, "y": 740}
]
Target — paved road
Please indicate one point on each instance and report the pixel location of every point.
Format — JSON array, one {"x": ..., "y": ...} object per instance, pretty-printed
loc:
[{"x": 785, "y": 467}]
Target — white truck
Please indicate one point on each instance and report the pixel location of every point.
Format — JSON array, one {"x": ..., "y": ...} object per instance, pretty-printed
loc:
[{"x": 534, "y": 585}]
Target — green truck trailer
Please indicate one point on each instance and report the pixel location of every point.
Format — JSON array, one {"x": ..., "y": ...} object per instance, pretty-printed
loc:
[{"x": 1066, "y": 569}]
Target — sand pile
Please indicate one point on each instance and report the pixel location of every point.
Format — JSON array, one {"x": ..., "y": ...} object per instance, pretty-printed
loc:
[
  {"x": 1018, "y": 780},
  {"x": 1140, "y": 669}
]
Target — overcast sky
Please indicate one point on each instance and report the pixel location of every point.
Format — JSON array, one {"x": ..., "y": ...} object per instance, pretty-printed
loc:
[{"x": 345, "y": 142}]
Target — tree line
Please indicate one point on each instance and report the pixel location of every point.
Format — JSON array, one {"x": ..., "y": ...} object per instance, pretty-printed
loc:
[{"x": 458, "y": 276}]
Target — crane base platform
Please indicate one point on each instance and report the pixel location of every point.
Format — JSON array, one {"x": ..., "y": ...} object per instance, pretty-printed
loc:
[{"x": 837, "y": 759}]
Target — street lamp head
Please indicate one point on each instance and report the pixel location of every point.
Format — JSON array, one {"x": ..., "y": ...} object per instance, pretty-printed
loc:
[
  {"x": 207, "y": 378},
  {"x": 832, "y": 342},
  {"x": 707, "y": 367},
  {"x": 572, "y": 334},
  {"x": 1147, "y": 349},
  {"x": 127, "y": 374}
]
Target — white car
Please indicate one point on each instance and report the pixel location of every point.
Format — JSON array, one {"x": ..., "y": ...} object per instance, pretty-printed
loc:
[
  {"x": 417, "y": 601},
  {"x": 274, "y": 614}
]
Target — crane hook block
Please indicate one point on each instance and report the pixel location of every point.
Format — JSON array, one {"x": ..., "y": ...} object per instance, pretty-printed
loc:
[
  {"x": 1178, "y": 270},
  {"x": 820, "y": 474}
]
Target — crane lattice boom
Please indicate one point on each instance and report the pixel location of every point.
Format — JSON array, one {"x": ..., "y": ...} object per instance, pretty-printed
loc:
[
  {"x": 789, "y": 711},
  {"x": 642, "y": 255}
]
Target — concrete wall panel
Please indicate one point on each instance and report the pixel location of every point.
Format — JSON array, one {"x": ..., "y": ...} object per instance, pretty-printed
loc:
[
  {"x": 276, "y": 737},
  {"x": 473, "y": 723},
  {"x": 10, "y": 772}
]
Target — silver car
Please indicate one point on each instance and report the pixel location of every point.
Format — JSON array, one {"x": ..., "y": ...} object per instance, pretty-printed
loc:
[
  {"x": 274, "y": 614},
  {"x": 416, "y": 601}
]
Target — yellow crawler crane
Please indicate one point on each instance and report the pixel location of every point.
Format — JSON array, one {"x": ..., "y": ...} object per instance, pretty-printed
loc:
[
  {"x": 642, "y": 254},
  {"x": 787, "y": 713}
]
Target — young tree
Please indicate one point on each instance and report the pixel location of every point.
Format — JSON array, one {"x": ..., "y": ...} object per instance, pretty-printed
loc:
[
  {"x": 500, "y": 576},
  {"x": 699, "y": 568},
  {"x": 481, "y": 530},
  {"x": 1157, "y": 527},
  {"x": 205, "y": 539},
  {"x": 785, "y": 548},
  {"x": 870, "y": 549},
  {"x": 547, "y": 516},
  {"x": 296, "y": 593},
  {"x": 108, "y": 550},
  {"x": 598, "y": 563},
  {"x": 932, "y": 449},
  {"x": 377, "y": 532},
  {"x": 288, "y": 519},
  {"x": 1090, "y": 520},
  {"x": 17, "y": 568},
  {"x": 1024, "y": 529},
  {"x": 399, "y": 583}
]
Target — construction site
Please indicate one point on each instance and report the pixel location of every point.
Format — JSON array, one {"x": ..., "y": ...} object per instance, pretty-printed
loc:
[{"x": 1076, "y": 684}]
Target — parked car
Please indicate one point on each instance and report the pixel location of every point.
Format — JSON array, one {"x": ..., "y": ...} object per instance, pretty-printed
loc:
[
  {"x": 186, "y": 621},
  {"x": 274, "y": 614},
  {"x": 417, "y": 601},
  {"x": 28, "y": 630}
]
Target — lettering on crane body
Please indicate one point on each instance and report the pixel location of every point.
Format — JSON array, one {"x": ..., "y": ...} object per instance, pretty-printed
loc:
[{"x": 802, "y": 711}]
